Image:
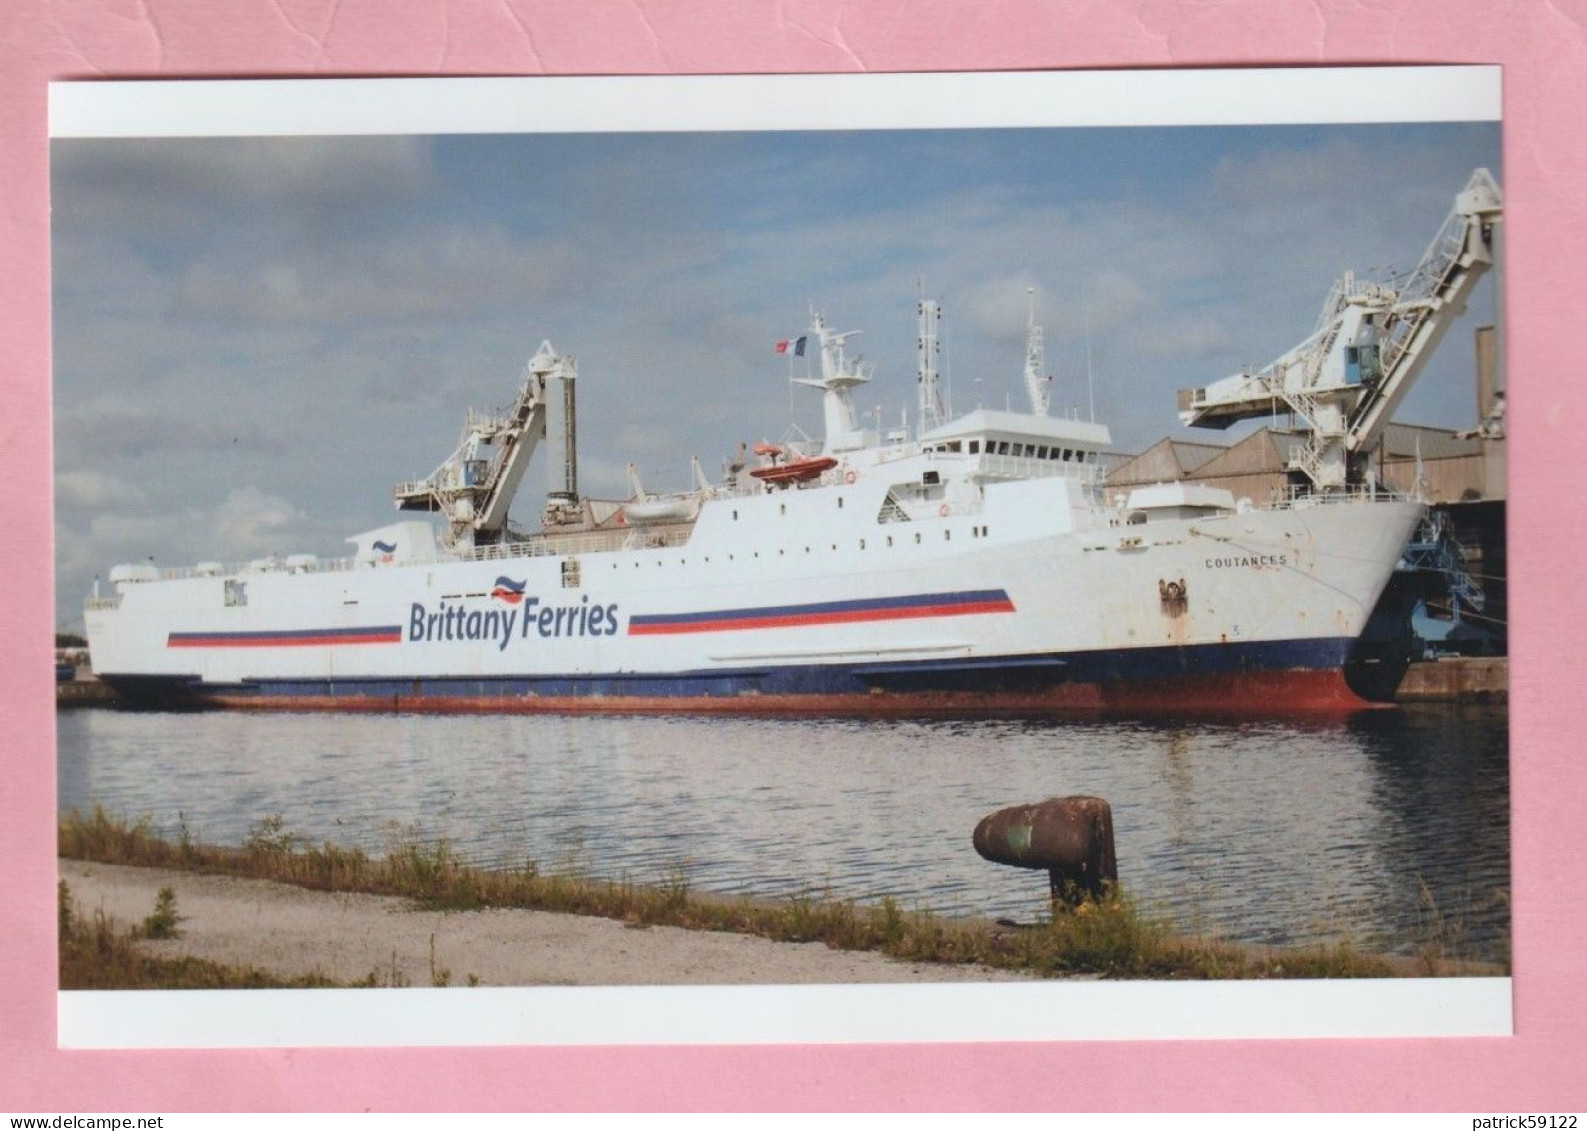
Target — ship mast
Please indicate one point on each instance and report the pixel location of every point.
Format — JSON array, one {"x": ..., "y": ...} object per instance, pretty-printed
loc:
[
  {"x": 839, "y": 377},
  {"x": 1037, "y": 387},
  {"x": 932, "y": 410}
]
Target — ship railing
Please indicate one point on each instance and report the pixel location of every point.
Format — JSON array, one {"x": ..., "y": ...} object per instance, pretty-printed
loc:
[
  {"x": 413, "y": 487},
  {"x": 572, "y": 545},
  {"x": 1108, "y": 501},
  {"x": 628, "y": 538},
  {"x": 1299, "y": 495},
  {"x": 102, "y": 603},
  {"x": 266, "y": 565},
  {"x": 1023, "y": 467}
]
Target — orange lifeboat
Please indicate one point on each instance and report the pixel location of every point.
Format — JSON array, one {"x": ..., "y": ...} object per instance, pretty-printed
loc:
[{"x": 794, "y": 471}]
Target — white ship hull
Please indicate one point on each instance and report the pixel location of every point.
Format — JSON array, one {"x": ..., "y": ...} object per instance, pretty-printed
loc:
[{"x": 1021, "y": 596}]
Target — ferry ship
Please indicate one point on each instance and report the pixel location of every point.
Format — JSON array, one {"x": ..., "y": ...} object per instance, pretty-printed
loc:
[{"x": 971, "y": 564}]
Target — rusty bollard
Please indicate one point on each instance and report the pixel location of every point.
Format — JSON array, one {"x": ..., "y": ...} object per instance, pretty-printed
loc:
[{"x": 1072, "y": 837}]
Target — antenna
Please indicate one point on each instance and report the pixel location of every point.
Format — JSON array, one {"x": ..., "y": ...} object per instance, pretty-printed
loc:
[
  {"x": 928, "y": 382},
  {"x": 1091, "y": 390},
  {"x": 947, "y": 369},
  {"x": 1036, "y": 388}
]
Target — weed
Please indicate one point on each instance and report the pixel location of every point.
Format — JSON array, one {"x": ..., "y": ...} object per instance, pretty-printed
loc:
[
  {"x": 184, "y": 838},
  {"x": 102, "y": 837},
  {"x": 442, "y": 977},
  {"x": 891, "y": 925},
  {"x": 398, "y": 980},
  {"x": 162, "y": 924},
  {"x": 65, "y": 915},
  {"x": 675, "y": 889},
  {"x": 800, "y": 921},
  {"x": 269, "y": 839}
]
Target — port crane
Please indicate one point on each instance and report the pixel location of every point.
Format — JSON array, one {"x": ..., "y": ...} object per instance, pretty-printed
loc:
[
  {"x": 474, "y": 487},
  {"x": 1370, "y": 343}
]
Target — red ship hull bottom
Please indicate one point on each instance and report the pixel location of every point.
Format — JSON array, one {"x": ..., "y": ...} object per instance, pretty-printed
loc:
[{"x": 1295, "y": 692}]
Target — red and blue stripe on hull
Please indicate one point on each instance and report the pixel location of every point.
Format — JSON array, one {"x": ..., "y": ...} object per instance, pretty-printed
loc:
[
  {"x": 911, "y": 607},
  {"x": 1277, "y": 677},
  {"x": 292, "y": 638}
]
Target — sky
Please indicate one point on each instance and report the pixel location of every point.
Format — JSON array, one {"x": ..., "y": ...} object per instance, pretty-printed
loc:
[{"x": 254, "y": 339}]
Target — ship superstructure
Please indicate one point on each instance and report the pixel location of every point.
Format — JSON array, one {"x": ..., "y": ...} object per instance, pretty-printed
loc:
[{"x": 974, "y": 563}]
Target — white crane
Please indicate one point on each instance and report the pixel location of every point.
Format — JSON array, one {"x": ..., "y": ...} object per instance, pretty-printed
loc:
[
  {"x": 474, "y": 487},
  {"x": 1371, "y": 341}
]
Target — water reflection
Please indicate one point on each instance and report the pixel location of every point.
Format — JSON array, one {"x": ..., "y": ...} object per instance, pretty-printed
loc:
[{"x": 1256, "y": 831}]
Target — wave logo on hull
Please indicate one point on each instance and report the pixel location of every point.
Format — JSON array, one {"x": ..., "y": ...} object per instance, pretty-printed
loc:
[
  {"x": 508, "y": 590},
  {"x": 386, "y": 550}
]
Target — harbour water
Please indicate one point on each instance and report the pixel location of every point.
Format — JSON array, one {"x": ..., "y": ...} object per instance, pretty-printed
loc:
[{"x": 1387, "y": 829}]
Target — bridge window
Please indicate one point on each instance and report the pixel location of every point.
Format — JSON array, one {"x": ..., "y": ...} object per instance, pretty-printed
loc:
[{"x": 975, "y": 447}]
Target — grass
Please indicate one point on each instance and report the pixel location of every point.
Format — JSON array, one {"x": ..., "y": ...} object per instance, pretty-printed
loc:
[
  {"x": 97, "y": 954},
  {"x": 1112, "y": 937}
]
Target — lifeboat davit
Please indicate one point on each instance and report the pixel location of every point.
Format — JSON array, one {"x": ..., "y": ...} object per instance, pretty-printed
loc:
[{"x": 794, "y": 471}]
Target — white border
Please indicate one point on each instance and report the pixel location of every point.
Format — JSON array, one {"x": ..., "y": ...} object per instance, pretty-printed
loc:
[
  {"x": 1021, "y": 1011},
  {"x": 204, "y": 108},
  {"x": 711, "y": 1015}
]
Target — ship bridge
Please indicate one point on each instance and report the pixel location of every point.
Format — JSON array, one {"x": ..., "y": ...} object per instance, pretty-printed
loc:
[{"x": 1020, "y": 435}]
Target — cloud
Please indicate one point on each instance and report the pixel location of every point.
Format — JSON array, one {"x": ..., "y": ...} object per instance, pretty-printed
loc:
[
  {"x": 100, "y": 525},
  {"x": 93, "y": 491},
  {"x": 1288, "y": 177},
  {"x": 1185, "y": 336},
  {"x": 118, "y": 433},
  {"x": 440, "y": 273},
  {"x": 997, "y": 307},
  {"x": 256, "y": 522},
  {"x": 170, "y": 186}
]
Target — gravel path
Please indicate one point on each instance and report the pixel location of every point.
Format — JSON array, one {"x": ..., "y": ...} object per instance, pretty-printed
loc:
[{"x": 346, "y": 936}]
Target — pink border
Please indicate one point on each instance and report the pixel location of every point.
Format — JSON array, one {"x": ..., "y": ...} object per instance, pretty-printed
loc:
[{"x": 1540, "y": 44}]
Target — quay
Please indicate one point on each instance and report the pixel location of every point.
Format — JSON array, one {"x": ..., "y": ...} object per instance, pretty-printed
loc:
[
  {"x": 88, "y": 692},
  {"x": 1457, "y": 679}
]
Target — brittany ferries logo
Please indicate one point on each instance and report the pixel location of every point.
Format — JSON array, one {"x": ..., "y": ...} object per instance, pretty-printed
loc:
[
  {"x": 524, "y": 616},
  {"x": 386, "y": 550},
  {"x": 508, "y": 590}
]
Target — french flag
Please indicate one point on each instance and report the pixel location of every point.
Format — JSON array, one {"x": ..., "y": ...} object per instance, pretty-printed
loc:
[{"x": 795, "y": 346}]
